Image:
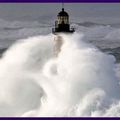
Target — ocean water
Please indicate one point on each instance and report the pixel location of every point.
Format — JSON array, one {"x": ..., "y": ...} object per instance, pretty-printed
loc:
[{"x": 82, "y": 81}]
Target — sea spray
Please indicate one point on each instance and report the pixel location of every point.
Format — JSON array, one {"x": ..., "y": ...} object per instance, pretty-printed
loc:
[{"x": 81, "y": 81}]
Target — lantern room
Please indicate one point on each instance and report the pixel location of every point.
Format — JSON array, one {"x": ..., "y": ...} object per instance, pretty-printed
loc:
[{"x": 62, "y": 23}]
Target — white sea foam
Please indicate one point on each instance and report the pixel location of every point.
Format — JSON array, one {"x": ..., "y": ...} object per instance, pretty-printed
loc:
[{"x": 81, "y": 81}]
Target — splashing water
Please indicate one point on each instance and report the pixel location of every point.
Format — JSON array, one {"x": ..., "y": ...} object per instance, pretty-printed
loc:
[{"x": 81, "y": 81}]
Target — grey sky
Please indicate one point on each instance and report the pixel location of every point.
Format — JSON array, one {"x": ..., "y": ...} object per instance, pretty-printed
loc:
[{"x": 48, "y": 11}]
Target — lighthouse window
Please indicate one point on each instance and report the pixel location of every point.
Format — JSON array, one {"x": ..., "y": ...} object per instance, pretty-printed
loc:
[{"x": 62, "y": 19}]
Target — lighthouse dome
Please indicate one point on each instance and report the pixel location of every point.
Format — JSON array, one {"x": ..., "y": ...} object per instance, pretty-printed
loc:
[{"x": 62, "y": 13}]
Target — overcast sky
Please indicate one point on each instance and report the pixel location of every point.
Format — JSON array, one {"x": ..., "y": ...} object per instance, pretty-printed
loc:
[{"x": 48, "y": 11}]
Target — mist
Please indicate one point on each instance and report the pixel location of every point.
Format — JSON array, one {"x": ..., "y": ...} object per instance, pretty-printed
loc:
[{"x": 81, "y": 81}]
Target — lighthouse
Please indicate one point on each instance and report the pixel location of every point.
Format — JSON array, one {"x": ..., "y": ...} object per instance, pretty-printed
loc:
[{"x": 61, "y": 26}]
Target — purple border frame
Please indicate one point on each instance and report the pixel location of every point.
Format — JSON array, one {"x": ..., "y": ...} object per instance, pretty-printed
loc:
[
  {"x": 58, "y": 1},
  {"x": 60, "y": 118}
]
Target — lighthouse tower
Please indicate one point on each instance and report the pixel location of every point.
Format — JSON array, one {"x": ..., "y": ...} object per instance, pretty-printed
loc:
[{"x": 61, "y": 26}]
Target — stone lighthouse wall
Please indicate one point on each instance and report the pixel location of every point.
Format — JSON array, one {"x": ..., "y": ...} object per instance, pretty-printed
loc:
[{"x": 58, "y": 42}]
